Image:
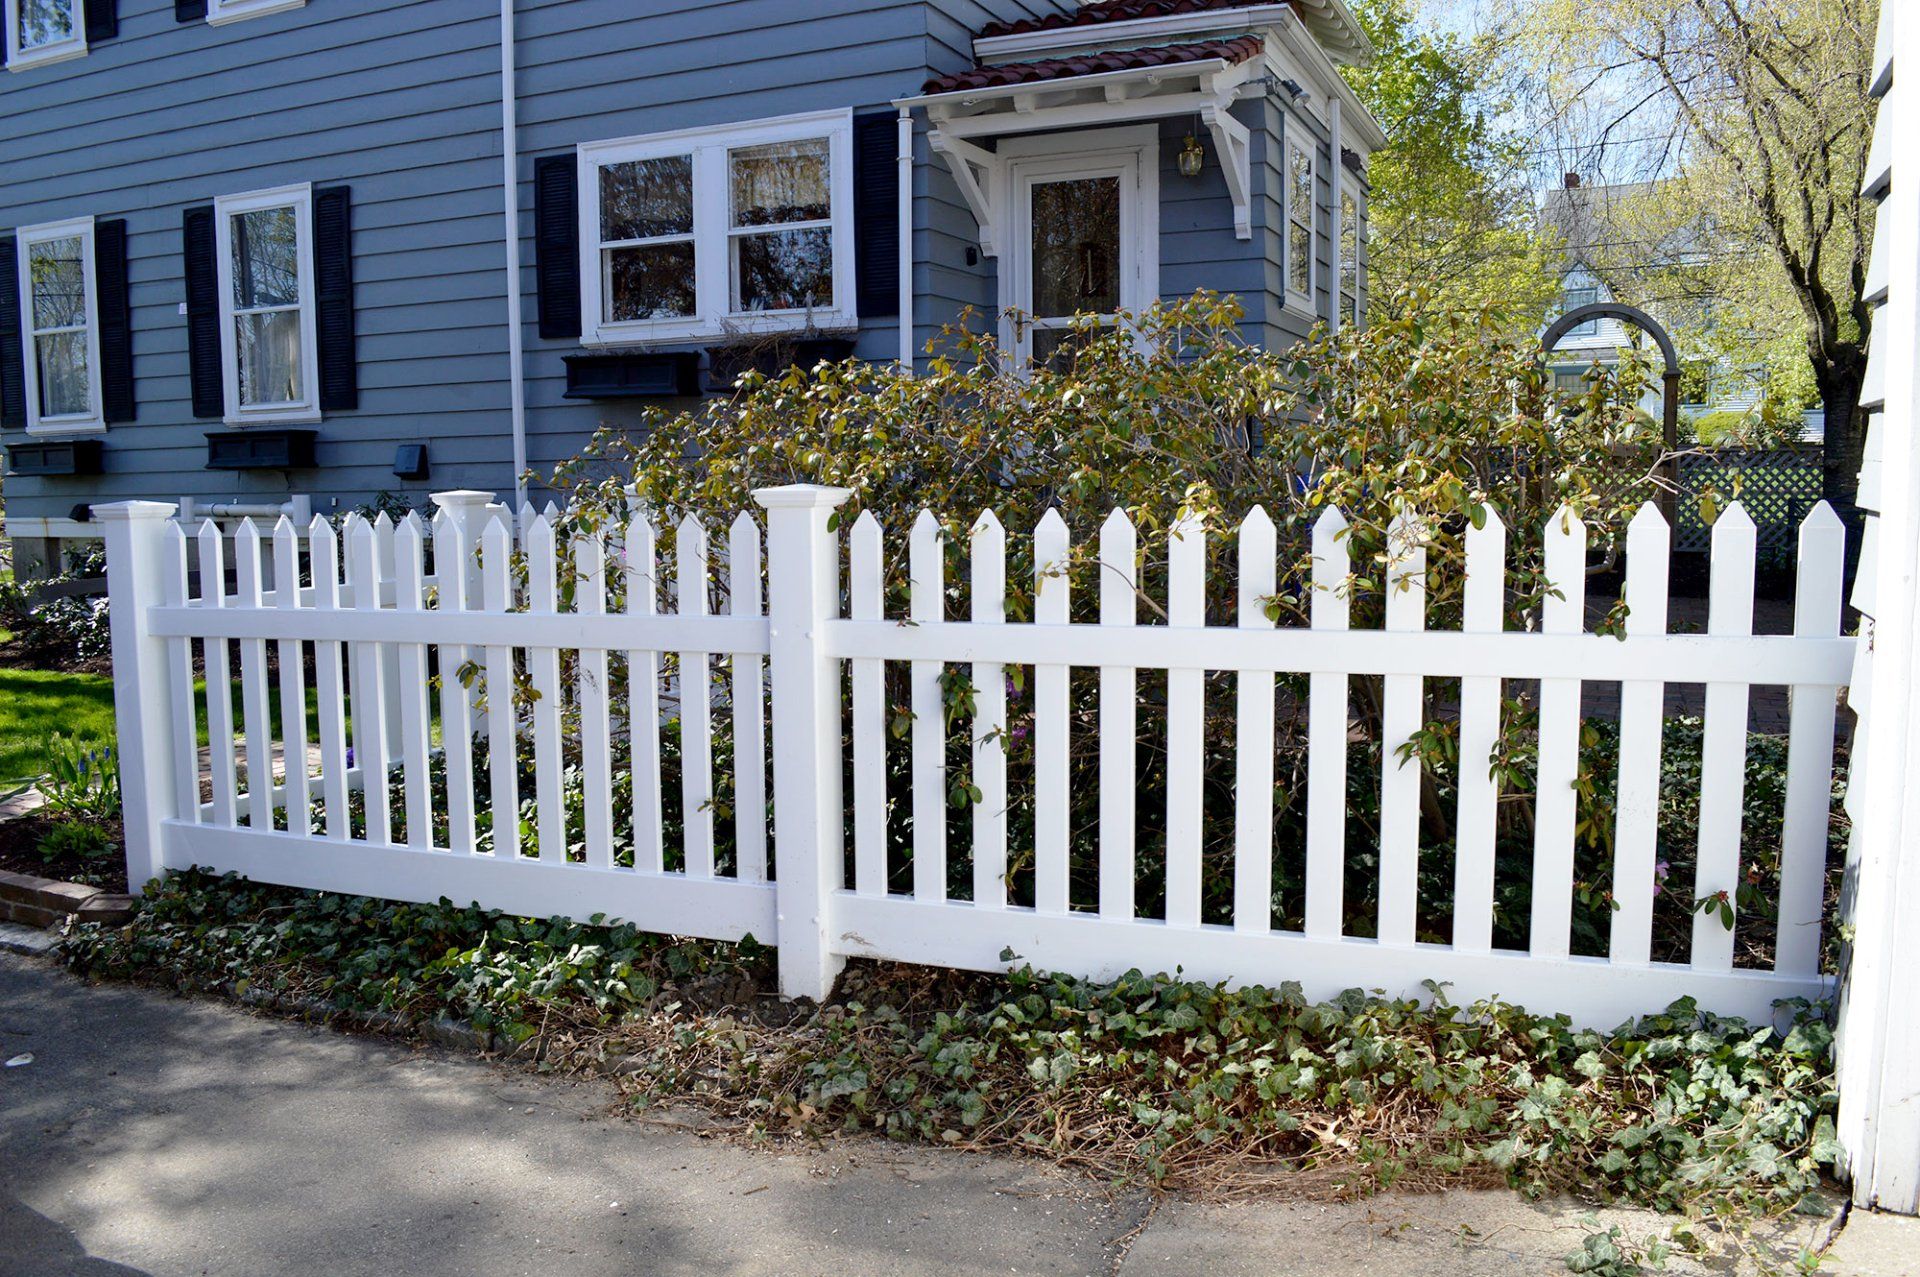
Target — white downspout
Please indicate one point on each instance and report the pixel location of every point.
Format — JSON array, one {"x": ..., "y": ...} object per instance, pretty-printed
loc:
[
  {"x": 510, "y": 167},
  {"x": 1334, "y": 184},
  {"x": 905, "y": 161}
]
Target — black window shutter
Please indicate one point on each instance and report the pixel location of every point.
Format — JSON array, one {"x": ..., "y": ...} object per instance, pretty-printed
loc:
[
  {"x": 876, "y": 215},
  {"x": 333, "y": 297},
  {"x": 203, "y": 311},
  {"x": 556, "y": 243},
  {"x": 116, "y": 321},
  {"x": 189, "y": 10},
  {"x": 13, "y": 372},
  {"x": 103, "y": 20}
]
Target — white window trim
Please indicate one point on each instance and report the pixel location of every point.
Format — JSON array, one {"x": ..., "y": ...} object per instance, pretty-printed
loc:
[
  {"x": 94, "y": 420},
  {"x": 221, "y": 12},
  {"x": 74, "y": 46},
  {"x": 713, "y": 283},
  {"x": 306, "y": 408},
  {"x": 1131, "y": 153},
  {"x": 1350, "y": 189},
  {"x": 1295, "y": 299}
]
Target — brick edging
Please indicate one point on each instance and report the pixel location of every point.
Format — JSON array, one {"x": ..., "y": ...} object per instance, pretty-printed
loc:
[{"x": 45, "y": 902}]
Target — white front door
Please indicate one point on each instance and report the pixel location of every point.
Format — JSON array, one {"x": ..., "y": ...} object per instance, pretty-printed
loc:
[{"x": 1081, "y": 246}]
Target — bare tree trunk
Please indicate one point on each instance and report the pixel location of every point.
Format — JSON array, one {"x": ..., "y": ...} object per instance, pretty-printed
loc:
[{"x": 1846, "y": 436}]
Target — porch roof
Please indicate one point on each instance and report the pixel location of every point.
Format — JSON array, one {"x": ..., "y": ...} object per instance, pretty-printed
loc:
[{"x": 1229, "y": 52}]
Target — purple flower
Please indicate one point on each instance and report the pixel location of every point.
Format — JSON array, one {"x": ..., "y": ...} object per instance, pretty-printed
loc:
[
  {"x": 1660, "y": 871},
  {"x": 349, "y": 756}
]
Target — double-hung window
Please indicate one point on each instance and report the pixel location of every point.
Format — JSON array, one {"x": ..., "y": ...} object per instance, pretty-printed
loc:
[
  {"x": 264, "y": 253},
  {"x": 61, "y": 327},
  {"x": 1576, "y": 297},
  {"x": 1350, "y": 264},
  {"x": 703, "y": 233},
  {"x": 42, "y": 31},
  {"x": 1303, "y": 220},
  {"x": 220, "y": 12}
]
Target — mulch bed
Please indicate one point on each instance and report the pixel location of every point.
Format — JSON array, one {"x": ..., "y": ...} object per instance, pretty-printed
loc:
[{"x": 20, "y": 853}]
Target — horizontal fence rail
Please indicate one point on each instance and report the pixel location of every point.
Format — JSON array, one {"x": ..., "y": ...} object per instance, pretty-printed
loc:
[{"x": 815, "y": 737}]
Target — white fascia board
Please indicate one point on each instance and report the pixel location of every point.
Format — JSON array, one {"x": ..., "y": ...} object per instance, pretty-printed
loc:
[
  {"x": 1325, "y": 78},
  {"x": 1121, "y": 35},
  {"x": 1099, "y": 80}
]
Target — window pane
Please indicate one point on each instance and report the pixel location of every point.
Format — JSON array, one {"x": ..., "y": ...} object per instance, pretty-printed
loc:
[
  {"x": 645, "y": 199},
  {"x": 1299, "y": 262},
  {"x": 1076, "y": 247},
  {"x": 1300, "y": 195},
  {"x": 782, "y": 182},
  {"x": 787, "y": 270},
  {"x": 269, "y": 352},
  {"x": 44, "y": 22},
  {"x": 59, "y": 277},
  {"x": 62, "y": 364},
  {"x": 266, "y": 258},
  {"x": 1059, "y": 349},
  {"x": 655, "y": 282}
]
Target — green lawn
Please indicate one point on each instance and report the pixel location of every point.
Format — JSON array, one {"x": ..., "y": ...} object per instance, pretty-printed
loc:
[{"x": 34, "y": 704}]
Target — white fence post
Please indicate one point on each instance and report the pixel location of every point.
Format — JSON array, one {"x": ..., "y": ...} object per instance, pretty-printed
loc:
[
  {"x": 136, "y": 536},
  {"x": 803, "y": 564}
]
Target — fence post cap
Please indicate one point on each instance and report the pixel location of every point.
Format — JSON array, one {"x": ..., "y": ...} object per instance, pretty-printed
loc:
[
  {"x": 127, "y": 511},
  {"x": 467, "y": 497},
  {"x": 801, "y": 496}
]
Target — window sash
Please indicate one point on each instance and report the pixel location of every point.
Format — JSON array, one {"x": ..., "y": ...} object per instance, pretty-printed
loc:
[
  {"x": 35, "y": 335},
  {"x": 21, "y": 55},
  {"x": 304, "y": 404},
  {"x": 1303, "y": 225},
  {"x": 717, "y": 235}
]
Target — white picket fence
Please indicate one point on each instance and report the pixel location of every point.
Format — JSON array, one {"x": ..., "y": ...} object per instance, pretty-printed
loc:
[{"x": 370, "y": 631}]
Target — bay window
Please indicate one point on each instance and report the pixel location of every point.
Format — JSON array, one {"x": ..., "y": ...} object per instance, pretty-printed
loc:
[
  {"x": 42, "y": 31},
  {"x": 61, "y": 328},
  {"x": 702, "y": 233},
  {"x": 264, "y": 254},
  {"x": 1350, "y": 264}
]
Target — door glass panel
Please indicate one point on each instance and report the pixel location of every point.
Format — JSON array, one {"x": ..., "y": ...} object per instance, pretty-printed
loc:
[{"x": 1076, "y": 247}]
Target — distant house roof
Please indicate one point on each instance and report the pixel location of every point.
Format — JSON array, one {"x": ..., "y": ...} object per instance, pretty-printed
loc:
[
  {"x": 1592, "y": 221},
  {"x": 1234, "y": 51}
]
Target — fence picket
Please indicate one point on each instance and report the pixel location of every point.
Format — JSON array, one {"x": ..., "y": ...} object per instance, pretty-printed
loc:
[
  {"x": 254, "y": 694},
  {"x": 749, "y": 707},
  {"x": 369, "y": 683},
  {"x": 452, "y": 561},
  {"x": 593, "y": 702},
  {"x": 1186, "y": 692},
  {"x": 215, "y": 655},
  {"x": 1119, "y": 601},
  {"x": 1253, "y": 737},
  {"x": 1400, "y": 720},
  {"x": 926, "y": 570},
  {"x": 1803, "y": 847},
  {"x": 1642, "y": 714},
  {"x": 866, "y": 602},
  {"x": 411, "y": 691},
  {"x": 988, "y": 560},
  {"x": 1051, "y": 865},
  {"x": 496, "y": 587},
  {"x": 696, "y": 702},
  {"x": 329, "y": 684},
  {"x": 543, "y": 674},
  {"x": 293, "y": 682},
  {"x": 1484, "y": 613},
  {"x": 1563, "y": 612},
  {"x": 643, "y": 696},
  {"x": 1327, "y": 716},
  {"x": 185, "y": 737},
  {"x": 1723, "y": 745}
]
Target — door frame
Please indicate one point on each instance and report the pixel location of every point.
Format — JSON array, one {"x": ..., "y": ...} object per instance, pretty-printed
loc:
[{"x": 1134, "y": 153}]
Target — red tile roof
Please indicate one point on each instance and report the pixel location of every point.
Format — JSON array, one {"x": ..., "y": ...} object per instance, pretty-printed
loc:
[
  {"x": 1115, "y": 11},
  {"x": 1237, "y": 50}
]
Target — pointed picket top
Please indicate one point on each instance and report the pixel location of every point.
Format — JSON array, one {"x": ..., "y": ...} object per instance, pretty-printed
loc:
[
  {"x": 496, "y": 541},
  {"x": 1564, "y": 610},
  {"x": 409, "y": 564},
  {"x": 987, "y": 524},
  {"x": 1187, "y": 571},
  {"x": 690, "y": 566},
  {"x": 1730, "y": 573},
  {"x": 1647, "y": 516},
  {"x": 552, "y": 513},
  {"x": 866, "y": 525},
  {"x": 743, "y": 525},
  {"x": 1119, "y": 569},
  {"x": 926, "y": 602},
  {"x": 1406, "y": 549},
  {"x": 213, "y": 565},
  {"x": 1734, "y": 519},
  {"x": 1484, "y": 606},
  {"x": 539, "y": 534},
  {"x": 246, "y": 563},
  {"x": 926, "y": 525},
  {"x": 1332, "y": 565},
  {"x": 1330, "y": 528},
  {"x": 1051, "y": 545},
  {"x": 1821, "y": 519},
  {"x": 383, "y": 524},
  {"x": 1258, "y": 568},
  {"x": 283, "y": 527}
]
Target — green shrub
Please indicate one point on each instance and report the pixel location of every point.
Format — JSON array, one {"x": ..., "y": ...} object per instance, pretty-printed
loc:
[{"x": 72, "y": 839}]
